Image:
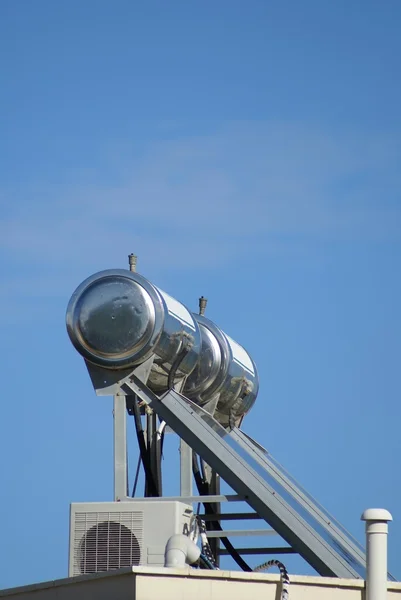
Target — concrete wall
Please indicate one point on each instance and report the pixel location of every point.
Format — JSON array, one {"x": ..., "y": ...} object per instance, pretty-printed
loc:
[{"x": 146, "y": 583}]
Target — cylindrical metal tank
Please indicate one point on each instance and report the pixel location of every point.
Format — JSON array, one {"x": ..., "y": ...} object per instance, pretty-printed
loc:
[
  {"x": 224, "y": 371},
  {"x": 117, "y": 319}
]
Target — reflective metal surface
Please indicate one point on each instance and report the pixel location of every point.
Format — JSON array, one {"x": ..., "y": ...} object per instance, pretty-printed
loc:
[
  {"x": 225, "y": 369},
  {"x": 240, "y": 387},
  {"x": 111, "y": 319},
  {"x": 211, "y": 370},
  {"x": 118, "y": 319}
]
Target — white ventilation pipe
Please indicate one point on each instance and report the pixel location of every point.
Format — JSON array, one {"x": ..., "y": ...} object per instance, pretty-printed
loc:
[
  {"x": 180, "y": 551},
  {"x": 376, "y": 552}
]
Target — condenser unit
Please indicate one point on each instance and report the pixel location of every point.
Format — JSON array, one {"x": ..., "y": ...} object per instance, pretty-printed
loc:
[{"x": 111, "y": 535}]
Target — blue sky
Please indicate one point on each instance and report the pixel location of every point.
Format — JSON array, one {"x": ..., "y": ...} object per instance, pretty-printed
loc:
[{"x": 249, "y": 152}]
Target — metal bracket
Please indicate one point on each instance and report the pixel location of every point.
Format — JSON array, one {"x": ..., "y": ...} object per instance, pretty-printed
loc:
[{"x": 107, "y": 382}]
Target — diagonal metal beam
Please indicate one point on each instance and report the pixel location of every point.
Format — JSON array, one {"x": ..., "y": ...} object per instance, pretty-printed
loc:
[{"x": 322, "y": 546}]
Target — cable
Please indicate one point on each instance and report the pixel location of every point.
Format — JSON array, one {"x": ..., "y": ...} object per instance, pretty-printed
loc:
[
  {"x": 144, "y": 451},
  {"x": 205, "y": 546},
  {"x": 162, "y": 443},
  {"x": 203, "y": 563},
  {"x": 194, "y": 528},
  {"x": 158, "y": 442},
  {"x": 186, "y": 347},
  {"x": 136, "y": 477},
  {"x": 203, "y": 469},
  {"x": 152, "y": 450},
  {"x": 127, "y": 473},
  {"x": 203, "y": 491},
  {"x": 207, "y": 478},
  {"x": 208, "y": 562},
  {"x": 285, "y": 580}
]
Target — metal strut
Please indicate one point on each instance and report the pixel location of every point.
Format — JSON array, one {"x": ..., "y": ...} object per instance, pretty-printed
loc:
[{"x": 300, "y": 521}]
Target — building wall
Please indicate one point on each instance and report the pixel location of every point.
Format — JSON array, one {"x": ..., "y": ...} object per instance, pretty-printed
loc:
[{"x": 146, "y": 583}]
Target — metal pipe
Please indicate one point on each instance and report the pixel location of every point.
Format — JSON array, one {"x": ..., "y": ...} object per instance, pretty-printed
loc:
[
  {"x": 376, "y": 552},
  {"x": 202, "y": 305},
  {"x": 120, "y": 448},
  {"x": 132, "y": 262}
]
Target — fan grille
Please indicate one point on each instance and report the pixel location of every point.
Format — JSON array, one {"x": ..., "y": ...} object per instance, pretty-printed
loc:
[{"x": 106, "y": 541}]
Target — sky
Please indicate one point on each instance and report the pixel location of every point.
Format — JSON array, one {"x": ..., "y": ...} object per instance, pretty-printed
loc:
[{"x": 245, "y": 151}]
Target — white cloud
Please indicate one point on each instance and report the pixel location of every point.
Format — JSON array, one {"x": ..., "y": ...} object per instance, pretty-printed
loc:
[{"x": 202, "y": 200}]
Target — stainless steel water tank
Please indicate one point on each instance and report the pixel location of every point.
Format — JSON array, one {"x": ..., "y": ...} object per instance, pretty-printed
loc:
[
  {"x": 118, "y": 319},
  {"x": 224, "y": 371}
]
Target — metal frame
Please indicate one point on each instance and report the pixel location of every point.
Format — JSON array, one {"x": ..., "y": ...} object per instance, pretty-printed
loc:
[
  {"x": 246, "y": 467},
  {"x": 120, "y": 448},
  {"x": 185, "y": 469},
  {"x": 336, "y": 557}
]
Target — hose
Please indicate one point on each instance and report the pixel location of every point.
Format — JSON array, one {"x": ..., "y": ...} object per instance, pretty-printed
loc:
[
  {"x": 158, "y": 442},
  {"x": 285, "y": 580},
  {"x": 152, "y": 450}
]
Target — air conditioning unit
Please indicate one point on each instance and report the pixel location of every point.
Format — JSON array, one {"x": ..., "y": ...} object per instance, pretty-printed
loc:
[{"x": 111, "y": 535}]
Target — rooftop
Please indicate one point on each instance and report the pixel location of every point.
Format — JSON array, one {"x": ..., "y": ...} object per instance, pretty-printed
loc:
[{"x": 147, "y": 583}]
